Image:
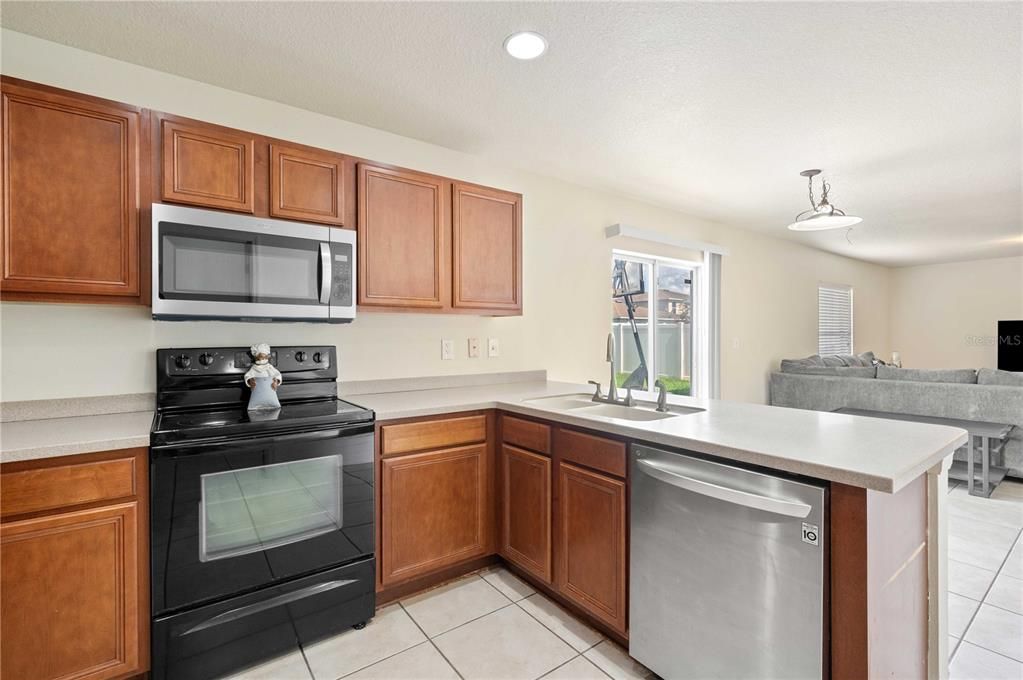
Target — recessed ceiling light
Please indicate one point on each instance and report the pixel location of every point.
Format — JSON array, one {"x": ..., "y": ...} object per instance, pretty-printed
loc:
[{"x": 525, "y": 45}]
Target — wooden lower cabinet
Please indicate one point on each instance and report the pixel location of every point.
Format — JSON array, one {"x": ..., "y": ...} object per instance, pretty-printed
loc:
[
  {"x": 526, "y": 511},
  {"x": 591, "y": 543},
  {"x": 74, "y": 579},
  {"x": 435, "y": 511}
]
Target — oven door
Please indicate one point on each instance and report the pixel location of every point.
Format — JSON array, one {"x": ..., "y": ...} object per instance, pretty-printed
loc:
[
  {"x": 221, "y": 266},
  {"x": 232, "y": 516}
]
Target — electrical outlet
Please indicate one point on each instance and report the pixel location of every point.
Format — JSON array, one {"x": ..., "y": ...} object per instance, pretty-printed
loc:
[
  {"x": 447, "y": 349},
  {"x": 493, "y": 347},
  {"x": 474, "y": 348}
]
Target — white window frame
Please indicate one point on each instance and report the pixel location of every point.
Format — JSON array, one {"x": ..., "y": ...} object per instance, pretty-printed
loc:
[
  {"x": 697, "y": 381},
  {"x": 837, "y": 287}
]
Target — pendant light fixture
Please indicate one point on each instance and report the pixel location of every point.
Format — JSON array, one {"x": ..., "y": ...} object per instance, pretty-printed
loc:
[{"x": 821, "y": 215}]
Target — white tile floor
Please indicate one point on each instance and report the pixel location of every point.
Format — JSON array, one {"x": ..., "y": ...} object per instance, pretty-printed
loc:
[
  {"x": 489, "y": 625},
  {"x": 985, "y": 584},
  {"x": 494, "y": 626}
]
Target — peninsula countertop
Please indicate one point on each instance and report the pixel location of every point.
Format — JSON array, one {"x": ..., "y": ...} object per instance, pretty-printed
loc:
[{"x": 872, "y": 453}]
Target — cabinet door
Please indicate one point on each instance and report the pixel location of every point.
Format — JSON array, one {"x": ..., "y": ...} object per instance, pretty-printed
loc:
[
  {"x": 306, "y": 184},
  {"x": 591, "y": 543},
  {"x": 526, "y": 510},
  {"x": 486, "y": 230},
  {"x": 70, "y": 602},
  {"x": 208, "y": 166},
  {"x": 434, "y": 511},
  {"x": 403, "y": 229},
  {"x": 70, "y": 193}
]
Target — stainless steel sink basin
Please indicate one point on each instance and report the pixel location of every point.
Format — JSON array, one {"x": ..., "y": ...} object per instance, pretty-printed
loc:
[
  {"x": 625, "y": 412},
  {"x": 564, "y": 402},
  {"x": 584, "y": 405},
  {"x": 675, "y": 409}
]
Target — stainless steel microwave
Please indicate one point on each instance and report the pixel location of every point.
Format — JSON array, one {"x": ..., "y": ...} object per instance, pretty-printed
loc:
[{"x": 214, "y": 265}]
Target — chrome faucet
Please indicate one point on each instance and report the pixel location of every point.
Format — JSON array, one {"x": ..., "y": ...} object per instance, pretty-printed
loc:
[
  {"x": 612, "y": 390},
  {"x": 662, "y": 396}
]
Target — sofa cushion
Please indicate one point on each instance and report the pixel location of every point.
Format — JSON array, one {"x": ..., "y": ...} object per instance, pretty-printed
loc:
[
  {"x": 831, "y": 361},
  {"x": 865, "y": 359},
  {"x": 813, "y": 360},
  {"x": 938, "y": 375},
  {"x": 991, "y": 376},
  {"x": 840, "y": 371}
]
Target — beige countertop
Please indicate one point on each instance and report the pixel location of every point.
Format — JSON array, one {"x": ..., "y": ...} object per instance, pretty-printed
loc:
[
  {"x": 49, "y": 437},
  {"x": 866, "y": 452},
  {"x": 872, "y": 453}
]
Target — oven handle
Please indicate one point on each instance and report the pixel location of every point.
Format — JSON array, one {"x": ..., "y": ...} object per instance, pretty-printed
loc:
[
  {"x": 277, "y": 601},
  {"x": 325, "y": 275},
  {"x": 327, "y": 433}
]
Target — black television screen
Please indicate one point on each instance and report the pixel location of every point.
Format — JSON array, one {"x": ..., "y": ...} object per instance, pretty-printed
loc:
[{"x": 1010, "y": 345}]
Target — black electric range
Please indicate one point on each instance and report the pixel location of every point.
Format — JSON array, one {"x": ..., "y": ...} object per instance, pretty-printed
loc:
[{"x": 262, "y": 522}]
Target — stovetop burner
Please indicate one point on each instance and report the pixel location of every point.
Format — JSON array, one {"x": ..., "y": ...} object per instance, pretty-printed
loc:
[
  {"x": 201, "y": 394},
  {"x": 176, "y": 426}
]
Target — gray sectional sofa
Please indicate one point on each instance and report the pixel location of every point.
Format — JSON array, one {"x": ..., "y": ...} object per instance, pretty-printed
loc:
[{"x": 857, "y": 381}]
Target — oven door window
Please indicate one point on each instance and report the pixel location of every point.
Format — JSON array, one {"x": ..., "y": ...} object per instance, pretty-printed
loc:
[
  {"x": 224, "y": 265},
  {"x": 257, "y": 508}
]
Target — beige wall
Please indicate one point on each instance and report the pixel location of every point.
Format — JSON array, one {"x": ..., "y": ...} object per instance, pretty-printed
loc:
[
  {"x": 769, "y": 285},
  {"x": 946, "y": 315}
]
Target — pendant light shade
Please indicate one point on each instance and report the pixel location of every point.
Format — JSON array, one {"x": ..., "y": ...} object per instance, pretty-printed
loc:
[{"x": 821, "y": 216}]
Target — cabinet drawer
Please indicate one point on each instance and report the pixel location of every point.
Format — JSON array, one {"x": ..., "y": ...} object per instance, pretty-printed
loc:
[
  {"x": 526, "y": 434},
  {"x": 598, "y": 453},
  {"x": 67, "y": 485},
  {"x": 432, "y": 434}
]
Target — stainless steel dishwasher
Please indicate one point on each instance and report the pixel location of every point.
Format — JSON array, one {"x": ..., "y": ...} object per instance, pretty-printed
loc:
[{"x": 727, "y": 570}]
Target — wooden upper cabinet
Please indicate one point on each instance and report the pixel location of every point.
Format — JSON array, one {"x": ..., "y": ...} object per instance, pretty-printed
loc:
[
  {"x": 208, "y": 165},
  {"x": 307, "y": 184},
  {"x": 526, "y": 511},
  {"x": 486, "y": 237},
  {"x": 591, "y": 549},
  {"x": 71, "y": 198},
  {"x": 403, "y": 227},
  {"x": 435, "y": 511}
]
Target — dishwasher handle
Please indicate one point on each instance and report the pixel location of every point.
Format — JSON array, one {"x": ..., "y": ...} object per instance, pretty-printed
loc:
[{"x": 724, "y": 493}]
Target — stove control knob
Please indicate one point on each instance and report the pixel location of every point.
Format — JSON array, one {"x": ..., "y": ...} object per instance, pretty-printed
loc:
[
  {"x": 317, "y": 358},
  {"x": 206, "y": 359},
  {"x": 299, "y": 356},
  {"x": 183, "y": 361}
]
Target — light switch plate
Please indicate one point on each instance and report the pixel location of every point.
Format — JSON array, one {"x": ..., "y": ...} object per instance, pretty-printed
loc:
[
  {"x": 447, "y": 349},
  {"x": 474, "y": 348},
  {"x": 493, "y": 347}
]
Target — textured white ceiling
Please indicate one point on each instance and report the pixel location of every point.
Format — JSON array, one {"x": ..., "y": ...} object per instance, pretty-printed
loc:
[{"x": 913, "y": 109}]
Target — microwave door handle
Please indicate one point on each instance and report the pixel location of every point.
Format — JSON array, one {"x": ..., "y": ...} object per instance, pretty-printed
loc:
[
  {"x": 325, "y": 275},
  {"x": 724, "y": 493}
]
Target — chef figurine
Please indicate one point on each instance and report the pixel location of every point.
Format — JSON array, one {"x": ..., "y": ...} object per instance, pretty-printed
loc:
[{"x": 263, "y": 378}]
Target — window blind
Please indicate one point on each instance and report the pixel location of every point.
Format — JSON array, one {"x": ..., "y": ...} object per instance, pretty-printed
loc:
[{"x": 834, "y": 319}]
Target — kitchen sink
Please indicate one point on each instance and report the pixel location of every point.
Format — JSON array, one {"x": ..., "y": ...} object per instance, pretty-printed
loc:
[
  {"x": 625, "y": 412},
  {"x": 565, "y": 402},
  {"x": 674, "y": 409},
  {"x": 584, "y": 404}
]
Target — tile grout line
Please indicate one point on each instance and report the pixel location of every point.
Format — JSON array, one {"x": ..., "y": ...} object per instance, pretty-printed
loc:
[
  {"x": 389, "y": 656},
  {"x": 554, "y": 632},
  {"x": 430, "y": 640},
  {"x": 1016, "y": 543}
]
